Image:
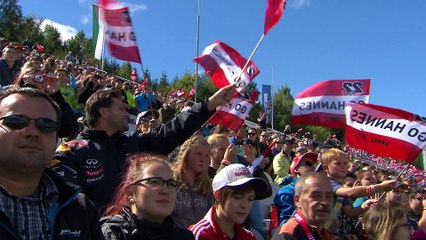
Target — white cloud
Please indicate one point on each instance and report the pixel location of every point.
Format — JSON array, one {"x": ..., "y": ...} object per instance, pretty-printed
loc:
[
  {"x": 67, "y": 32},
  {"x": 85, "y": 19},
  {"x": 301, "y": 3},
  {"x": 134, "y": 7}
]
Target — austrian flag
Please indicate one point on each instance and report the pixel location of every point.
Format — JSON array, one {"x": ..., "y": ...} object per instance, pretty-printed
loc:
[
  {"x": 224, "y": 65},
  {"x": 233, "y": 114},
  {"x": 323, "y": 103},
  {"x": 119, "y": 35},
  {"x": 383, "y": 131}
]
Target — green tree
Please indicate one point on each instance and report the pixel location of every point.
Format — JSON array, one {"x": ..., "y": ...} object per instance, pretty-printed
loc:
[
  {"x": 111, "y": 66},
  {"x": 125, "y": 70},
  {"x": 75, "y": 44},
  {"x": 10, "y": 19},
  {"x": 52, "y": 40},
  {"x": 29, "y": 29},
  {"x": 163, "y": 83},
  {"x": 283, "y": 104},
  {"x": 205, "y": 87}
]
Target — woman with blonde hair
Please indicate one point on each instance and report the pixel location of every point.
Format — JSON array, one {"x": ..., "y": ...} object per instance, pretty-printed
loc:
[
  {"x": 387, "y": 222},
  {"x": 144, "y": 201},
  {"x": 195, "y": 196}
]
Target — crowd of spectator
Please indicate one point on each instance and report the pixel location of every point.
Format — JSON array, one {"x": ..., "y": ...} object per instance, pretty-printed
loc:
[{"x": 174, "y": 176}]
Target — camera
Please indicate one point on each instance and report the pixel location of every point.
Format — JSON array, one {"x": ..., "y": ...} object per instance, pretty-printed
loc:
[{"x": 38, "y": 78}]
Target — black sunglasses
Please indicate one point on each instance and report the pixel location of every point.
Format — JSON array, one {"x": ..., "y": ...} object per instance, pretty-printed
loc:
[
  {"x": 18, "y": 122},
  {"x": 157, "y": 183},
  {"x": 252, "y": 134},
  {"x": 309, "y": 164}
]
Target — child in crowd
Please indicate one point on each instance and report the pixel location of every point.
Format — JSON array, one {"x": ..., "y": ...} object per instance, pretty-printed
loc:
[
  {"x": 195, "y": 197},
  {"x": 235, "y": 189},
  {"x": 335, "y": 165}
]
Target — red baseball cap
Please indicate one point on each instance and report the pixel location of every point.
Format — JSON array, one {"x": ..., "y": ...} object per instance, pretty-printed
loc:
[{"x": 296, "y": 161}]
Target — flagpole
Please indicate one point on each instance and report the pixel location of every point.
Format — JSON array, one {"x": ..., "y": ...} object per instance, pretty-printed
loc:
[
  {"x": 103, "y": 41},
  {"x": 197, "y": 44},
  {"x": 272, "y": 99},
  {"x": 251, "y": 56}
]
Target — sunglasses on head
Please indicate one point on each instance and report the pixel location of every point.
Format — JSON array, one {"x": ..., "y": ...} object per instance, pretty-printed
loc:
[{"x": 18, "y": 122}]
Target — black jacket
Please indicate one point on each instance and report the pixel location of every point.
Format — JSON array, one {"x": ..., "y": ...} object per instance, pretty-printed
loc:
[
  {"x": 73, "y": 215},
  {"x": 69, "y": 123},
  {"x": 95, "y": 161},
  {"x": 127, "y": 227}
]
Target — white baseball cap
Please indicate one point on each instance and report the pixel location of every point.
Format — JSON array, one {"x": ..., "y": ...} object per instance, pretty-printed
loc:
[{"x": 237, "y": 174}]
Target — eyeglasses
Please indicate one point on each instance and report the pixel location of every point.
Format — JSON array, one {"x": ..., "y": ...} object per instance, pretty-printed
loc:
[
  {"x": 253, "y": 134},
  {"x": 156, "y": 183},
  {"x": 18, "y": 122},
  {"x": 264, "y": 135}
]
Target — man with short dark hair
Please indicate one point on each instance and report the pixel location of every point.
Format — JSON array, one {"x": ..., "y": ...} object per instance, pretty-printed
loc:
[
  {"x": 314, "y": 200},
  {"x": 36, "y": 203},
  {"x": 96, "y": 158},
  {"x": 8, "y": 68}
]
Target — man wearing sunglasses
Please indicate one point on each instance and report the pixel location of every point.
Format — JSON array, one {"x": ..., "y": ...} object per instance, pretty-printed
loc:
[
  {"x": 36, "y": 203},
  {"x": 284, "y": 200},
  {"x": 96, "y": 158}
]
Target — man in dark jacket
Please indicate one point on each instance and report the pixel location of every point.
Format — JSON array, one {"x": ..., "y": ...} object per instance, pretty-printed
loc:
[
  {"x": 35, "y": 203},
  {"x": 96, "y": 158}
]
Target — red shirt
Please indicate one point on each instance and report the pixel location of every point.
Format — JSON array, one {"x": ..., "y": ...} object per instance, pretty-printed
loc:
[{"x": 207, "y": 228}]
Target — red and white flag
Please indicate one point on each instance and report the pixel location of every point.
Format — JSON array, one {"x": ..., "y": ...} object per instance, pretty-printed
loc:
[
  {"x": 323, "y": 103},
  {"x": 134, "y": 75},
  {"x": 273, "y": 13},
  {"x": 384, "y": 131},
  {"x": 172, "y": 92},
  {"x": 180, "y": 93},
  {"x": 224, "y": 65},
  {"x": 191, "y": 93},
  {"x": 119, "y": 34},
  {"x": 233, "y": 114}
]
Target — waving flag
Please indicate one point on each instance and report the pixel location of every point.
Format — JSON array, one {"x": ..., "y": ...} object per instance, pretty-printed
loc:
[
  {"x": 180, "y": 93},
  {"x": 323, "y": 103},
  {"x": 273, "y": 13},
  {"x": 119, "y": 35},
  {"x": 172, "y": 92},
  {"x": 384, "y": 131},
  {"x": 233, "y": 114},
  {"x": 134, "y": 75},
  {"x": 191, "y": 93},
  {"x": 224, "y": 64}
]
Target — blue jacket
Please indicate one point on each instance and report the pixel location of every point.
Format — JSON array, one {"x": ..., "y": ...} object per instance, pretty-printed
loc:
[{"x": 284, "y": 201}]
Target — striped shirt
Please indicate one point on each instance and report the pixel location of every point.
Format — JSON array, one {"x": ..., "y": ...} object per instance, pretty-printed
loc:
[{"x": 29, "y": 216}]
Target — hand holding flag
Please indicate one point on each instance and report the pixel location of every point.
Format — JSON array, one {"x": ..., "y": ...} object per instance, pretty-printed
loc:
[{"x": 233, "y": 114}]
